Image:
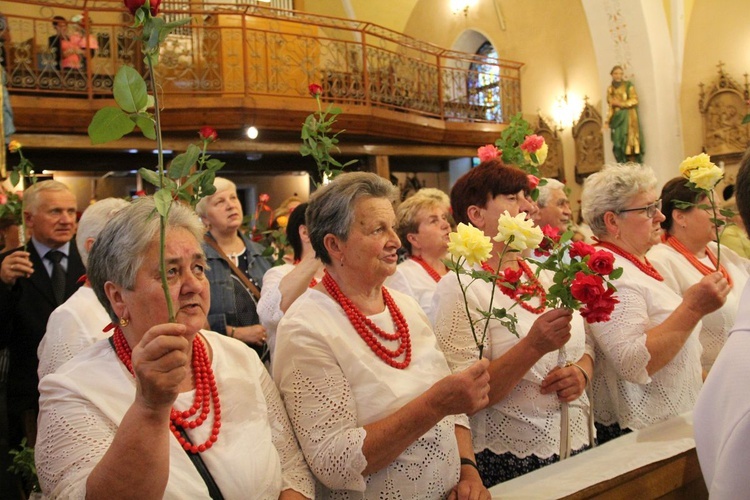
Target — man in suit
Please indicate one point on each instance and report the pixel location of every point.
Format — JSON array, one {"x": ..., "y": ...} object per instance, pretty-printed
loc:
[{"x": 34, "y": 283}]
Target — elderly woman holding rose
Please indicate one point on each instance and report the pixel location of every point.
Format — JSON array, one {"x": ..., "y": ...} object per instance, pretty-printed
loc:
[
  {"x": 520, "y": 429},
  {"x": 648, "y": 355},
  {"x": 372, "y": 400}
]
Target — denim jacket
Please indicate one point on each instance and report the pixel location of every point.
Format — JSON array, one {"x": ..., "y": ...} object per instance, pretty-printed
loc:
[{"x": 223, "y": 309}]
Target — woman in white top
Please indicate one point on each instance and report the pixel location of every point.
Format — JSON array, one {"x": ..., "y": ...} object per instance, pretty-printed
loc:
[
  {"x": 120, "y": 420},
  {"x": 283, "y": 284},
  {"x": 648, "y": 355},
  {"x": 689, "y": 253},
  {"x": 423, "y": 227},
  {"x": 372, "y": 401},
  {"x": 520, "y": 430}
]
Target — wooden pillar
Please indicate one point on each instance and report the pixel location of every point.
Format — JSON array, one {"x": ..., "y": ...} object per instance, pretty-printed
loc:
[{"x": 380, "y": 165}]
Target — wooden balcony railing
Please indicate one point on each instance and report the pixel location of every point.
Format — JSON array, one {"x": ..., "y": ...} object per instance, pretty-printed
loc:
[{"x": 249, "y": 51}]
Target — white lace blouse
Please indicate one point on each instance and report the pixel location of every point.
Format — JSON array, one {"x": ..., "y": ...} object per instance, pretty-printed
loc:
[
  {"x": 269, "y": 305},
  {"x": 333, "y": 385},
  {"x": 82, "y": 404},
  {"x": 412, "y": 279},
  {"x": 680, "y": 275},
  {"x": 624, "y": 393},
  {"x": 526, "y": 422},
  {"x": 71, "y": 328}
]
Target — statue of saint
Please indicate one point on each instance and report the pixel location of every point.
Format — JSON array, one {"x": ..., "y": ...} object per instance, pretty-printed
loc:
[{"x": 622, "y": 118}]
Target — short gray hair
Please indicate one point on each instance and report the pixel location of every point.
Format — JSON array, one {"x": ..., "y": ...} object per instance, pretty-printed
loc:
[
  {"x": 31, "y": 194},
  {"x": 120, "y": 248},
  {"x": 546, "y": 190},
  {"x": 611, "y": 190},
  {"x": 221, "y": 184},
  {"x": 331, "y": 208},
  {"x": 93, "y": 220}
]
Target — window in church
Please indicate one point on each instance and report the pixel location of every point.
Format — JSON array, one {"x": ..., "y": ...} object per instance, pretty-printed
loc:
[{"x": 485, "y": 96}]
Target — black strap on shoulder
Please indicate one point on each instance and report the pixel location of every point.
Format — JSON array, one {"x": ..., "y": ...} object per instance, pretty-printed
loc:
[{"x": 213, "y": 488}]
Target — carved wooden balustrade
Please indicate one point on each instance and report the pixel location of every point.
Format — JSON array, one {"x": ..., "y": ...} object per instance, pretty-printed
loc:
[{"x": 257, "y": 53}]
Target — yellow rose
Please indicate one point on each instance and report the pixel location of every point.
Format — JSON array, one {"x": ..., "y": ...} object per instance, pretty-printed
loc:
[
  {"x": 706, "y": 178},
  {"x": 693, "y": 162},
  {"x": 541, "y": 155},
  {"x": 14, "y": 146},
  {"x": 282, "y": 220},
  {"x": 525, "y": 234},
  {"x": 470, "y": 243}
]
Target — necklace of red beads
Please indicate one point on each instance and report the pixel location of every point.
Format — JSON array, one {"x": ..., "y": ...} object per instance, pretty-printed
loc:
[
  {"x": 369, "y": 331},
  {"x": 531, "y": 288},
  {"x": 206, "y": 391},
  {"x": 646, "y": 266},
  {"x": 430, "y": 270},
  {"x": 700, "y": 266}
]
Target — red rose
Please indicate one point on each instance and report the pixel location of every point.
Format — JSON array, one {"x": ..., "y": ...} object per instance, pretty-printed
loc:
[
  {"x": 586, "y": 287},
  {"x": 532, "y": 143},
  {"x": 533, "y": 182},
  {"x": 581, "y": 249},
  {"x": 208, "y": 134},
  {"x": 602, "y": 262},
  {"x": 264, "y": 198},
  {"x": 134, "y": 5},
  {"x": 488, "y": 152},
  {"x": 551, "y": 238},
  {"x": 315, "y": 89},
  {"x": 512, "y": 277},
  {"x": 601, "y": 309}
]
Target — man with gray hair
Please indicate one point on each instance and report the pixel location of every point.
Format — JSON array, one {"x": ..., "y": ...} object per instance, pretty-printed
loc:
[
  {"x": 554, "y": 207},
  {"x": 33, "y": 282},
  {"x": 78, "y": 322}
]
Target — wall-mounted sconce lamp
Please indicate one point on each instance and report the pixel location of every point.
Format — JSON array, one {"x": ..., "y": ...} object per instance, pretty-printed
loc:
[
  {"x": 565, "y": 111},
  {"x": 461, "y": 6},
  {"x": 252, "y": 132}
]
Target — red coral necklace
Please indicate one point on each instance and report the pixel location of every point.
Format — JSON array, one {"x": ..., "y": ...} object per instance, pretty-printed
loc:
[
  {"x": 532, "y": 288},
  {"x": 645, "y": 267},
  {"x": 430, "y": 270},
  {"x": 700, "y": 266},
  {"x": 205, "y": 392},
  {"x": 369, "y": 331}
]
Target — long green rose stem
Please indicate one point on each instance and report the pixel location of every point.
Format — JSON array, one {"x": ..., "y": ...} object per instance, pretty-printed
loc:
[
  {"x": 480, "y": 345},
  {"x": 716, "y": 227},
  {"x": 162, "y": 218},
  {"x": 494, "y": 286}
]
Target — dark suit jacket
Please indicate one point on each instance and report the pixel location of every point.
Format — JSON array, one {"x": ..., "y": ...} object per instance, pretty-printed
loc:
[
  {"x": 54, "y": 46},
  {"x": 24, "y": 310}
]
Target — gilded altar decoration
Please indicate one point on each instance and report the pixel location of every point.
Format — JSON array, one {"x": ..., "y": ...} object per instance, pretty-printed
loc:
[
  {"x": 589, "y": 142},
  {"x": 723, "y": 105}
]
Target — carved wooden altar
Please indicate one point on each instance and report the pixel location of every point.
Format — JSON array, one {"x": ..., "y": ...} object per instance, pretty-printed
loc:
[
  {"x": 722, "y": 108},
  {"x": 589, "y": 141},
  {"x": 554, "y": 166}
]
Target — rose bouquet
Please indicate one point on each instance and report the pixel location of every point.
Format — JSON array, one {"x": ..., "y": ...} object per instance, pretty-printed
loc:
[
  {"x": 469, "y": 247},
  {"x": 317, "y": 140},
  {"x": 702, "y": 176},
  {"x": 518, "y": 145},
  {"x": 582, "y": 275}
]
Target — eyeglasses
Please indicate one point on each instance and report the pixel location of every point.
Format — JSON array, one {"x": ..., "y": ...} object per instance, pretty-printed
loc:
[{"x": 649, "y": 209}]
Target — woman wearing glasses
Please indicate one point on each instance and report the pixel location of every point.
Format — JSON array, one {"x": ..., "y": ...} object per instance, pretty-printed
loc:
[
  {"x": 690, "y": 253},
  {"x": 648, "y": 355}
]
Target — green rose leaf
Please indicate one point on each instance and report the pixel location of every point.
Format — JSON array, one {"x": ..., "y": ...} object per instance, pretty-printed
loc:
[
  {"x": 615, "y": 274},
  {"x": 183, "y": 162},
  {"x": 15, "y": 178},
  {"x": 109, "y": 124},
  {"x": 150, "y": 176},
  {"x": 146, "y": 124},
  {"x": 163, "y": 201},
  {"x": 130, "y": 90}
]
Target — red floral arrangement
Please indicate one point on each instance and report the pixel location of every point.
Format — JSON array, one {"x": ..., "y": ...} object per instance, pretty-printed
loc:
[{"x": 582, "y": 275}]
